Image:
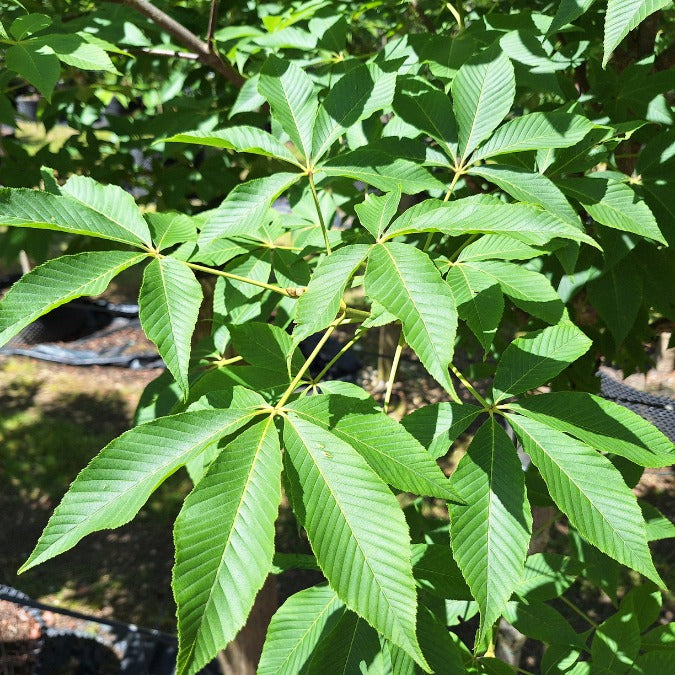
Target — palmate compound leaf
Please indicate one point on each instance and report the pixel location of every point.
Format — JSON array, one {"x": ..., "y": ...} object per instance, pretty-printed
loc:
[
  {"x": 604, "y": 425},
  {"x": 356, "y": 528},
  {"x": 590, "y": 491},
  {"x": 538, "y": 357},
  {"x": 624, "y": 15},
  {"x": 169, "y": 301},
  {"x": 290, "y": 94},
  {"x": 490, "y": 535},
  {"x": 406, "y": 283},
  {"x": 91, "y": 209},
  {"x": 244, "y": 209},
  {"x": 393, "y": 453},
  {"x": 296, "y": 629},
  {"x": 319, "y": 304},
  {"x": 112, "y": 488},
  {"x": 224, "y": 538},
  {"x": 242, "y": 138},
  {"x": 482, "y": 93},
  {"x": 59, "y": 281},
  {"x": 535, "y": 131}
]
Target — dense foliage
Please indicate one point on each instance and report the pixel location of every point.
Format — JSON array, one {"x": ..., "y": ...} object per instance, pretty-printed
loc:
[{"x": 496, "y": 180}]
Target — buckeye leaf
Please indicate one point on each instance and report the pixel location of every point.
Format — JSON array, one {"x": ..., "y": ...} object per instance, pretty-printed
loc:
[
  {"x": 436, "y": 426},
  {"x": 537, "y": 357},
  {"x": 319, "y": 304},
  {"x": 533, "y": 132},
  {"x": 59, "y": 281},
  {"x": 491, "y": 534},
  {"x": 624, "y": 15},
  {"x": 91, "y": 209},
  {"x": 590, "y": 491},
  {"x": 394, "y": 454},
  {"x": 169, "y": 301},
  {"x": 376, "y": 212},
  {"x": 244, "y": 209},
  {"x": 540, "y": 621},
  {"x": 290, "y": 94},
  {"x": 613, "y": 204},
  {"x": 482, "y": 93},
  {"x": 547, "y": 576},
  {"x": 224, "y": 538},
  {"x": 296, "y": 629},
  {"x": 242, "y": 138},
  {"x": 530, "y": 187},
  {"x": 406, "y": 283},
  {"x": 479, "y": 301},
  {"x": 40, "y": 66},
  {"x": 368, "y": 564},
  {"x": 110, "y": 491},
  {"x": 362, "y": 91},
  {"x": 388, "y": 164},
  {"x": 602, "y": 424}
]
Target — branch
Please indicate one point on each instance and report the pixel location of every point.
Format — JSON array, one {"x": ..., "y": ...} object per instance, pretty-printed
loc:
[
  {"x": 212, "y": 25},
  {"x": 185, "y": 37}
]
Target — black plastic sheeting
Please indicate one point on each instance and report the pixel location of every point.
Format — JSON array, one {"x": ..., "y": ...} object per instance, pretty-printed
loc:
[{"x": 144, "y": 651}]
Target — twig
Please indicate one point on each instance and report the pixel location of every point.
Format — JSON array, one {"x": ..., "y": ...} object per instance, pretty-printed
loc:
[
  {"x": 185, "y": 37},
  {"x": 169, "y": 53},
  {"x": 212, "y": 25}
]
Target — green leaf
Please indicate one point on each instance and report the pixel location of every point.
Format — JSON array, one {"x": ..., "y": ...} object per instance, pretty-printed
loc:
[
  {"x": 362, "y": 91},
  {"x": 587, "y": 487},
  {"x": 375, "y": 213},
  {"x": 388, "y": 164},
  {"x": 40, "y": 67},
  {"x": 528, "y": 289},
  {"x": 28, "y": 24},
  {"x": 319, "y": 304},
  {"x": 110, "y": 491},
  {"x": 436, "y": 426},
  {"x": 547, "y": 576},
  {"x": 351, "y": 647},
  {"x": 111, "y": 202},
  {"x": 245, "y": 208},
  {"x": 170, "y": 228},
  {"x": 169, "y": 301},
  {"x": 537, "y": 357},
  {"x": 541, "y": 622},
  {"x": 430, "y": 111},
  {"x": 334, "y": 482},
  {"x": 624, "y": 15},
  {"x": 242, "y": 138},
  {"x": 395, "y": 455},
  {"x": 297, "y": 628},
  {"x": 436, "y": 571},
  {"x": 491, "y": 534},
  {"x": 617, "y": 297},
  {"x": 266, "y": 346},
  {"x": 658, "y": 526},
  {"x": 479, "y": 301},
  {"x": 75, "y": 50},
  {"x": 616, "y": 642},
  {"x": 613, "y": 204},
  {"x": 224, "y": 539},
  {"x": 498, "y": 247},
  {"x": 41, "y": 210},
  {"x": 644, "y": 602},
  {"x": 59, "y": 281},
  {"x": 602, "y": 424},
  {"x": 533, "y": 132},
  {"x": 530, "y": 187},
  {"x": 660, "y": 638},
  {"x": 482, "y": 93},
  {"x": 406, "y": 283},
  {"x": 484, "y": 214},
  {"x": 654, "y": 662},
  {"x": 568, "y": 11},
  {"x": 290, "y": 94}
]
